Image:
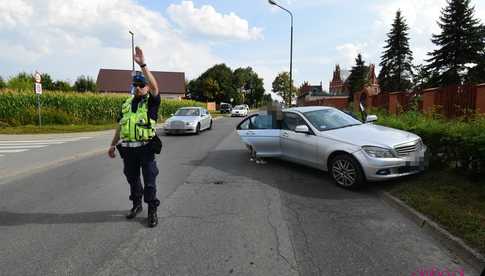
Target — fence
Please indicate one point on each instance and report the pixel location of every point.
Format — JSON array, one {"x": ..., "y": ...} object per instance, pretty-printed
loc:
[
  {"x": 451, "y": 101},
  {"x": 340, "y": 102}
]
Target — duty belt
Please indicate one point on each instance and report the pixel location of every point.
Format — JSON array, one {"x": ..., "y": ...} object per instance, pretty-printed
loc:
[{"x": 133, "y": 144}]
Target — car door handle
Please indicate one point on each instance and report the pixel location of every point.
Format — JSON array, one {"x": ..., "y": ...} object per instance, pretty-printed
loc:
[
  {"x": 285, "y": 134},
  {"x": 251, "y": 133}
]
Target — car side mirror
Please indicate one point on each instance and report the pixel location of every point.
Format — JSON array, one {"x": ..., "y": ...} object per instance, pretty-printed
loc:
[
  {"x": 371, "y": 118},
  {"x": 302, "y": 129},
  {"x": 171, "y": 114}
]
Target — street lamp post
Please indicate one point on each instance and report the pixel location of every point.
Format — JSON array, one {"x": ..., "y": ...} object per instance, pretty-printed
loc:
[
  {"x": 272, "y": 2},
  {"x": 132, "y": 89},
  {"x": 132, "y": 51}
]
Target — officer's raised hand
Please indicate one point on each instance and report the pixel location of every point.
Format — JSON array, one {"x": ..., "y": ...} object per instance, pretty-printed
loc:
[{"x": 139, "y": 57}]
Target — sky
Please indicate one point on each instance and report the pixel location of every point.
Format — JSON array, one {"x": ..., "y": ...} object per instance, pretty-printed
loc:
[{"x": 69, "y": 38}]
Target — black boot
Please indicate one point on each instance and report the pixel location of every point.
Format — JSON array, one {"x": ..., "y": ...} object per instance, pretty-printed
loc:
[
  {"x": 152, "y": 216},
  {"x": 137, "y": 208}
]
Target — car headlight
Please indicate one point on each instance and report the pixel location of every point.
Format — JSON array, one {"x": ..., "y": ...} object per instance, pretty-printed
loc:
[
  {"x": 378, "y": 152},
  {"x": 190, "y": 123}
]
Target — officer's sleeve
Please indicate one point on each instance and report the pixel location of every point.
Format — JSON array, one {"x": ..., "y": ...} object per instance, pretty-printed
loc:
[
  {"x": 153, "y": 106},
  {"x": 154, "y": 101},
  {"x": 120, "y": 115}
]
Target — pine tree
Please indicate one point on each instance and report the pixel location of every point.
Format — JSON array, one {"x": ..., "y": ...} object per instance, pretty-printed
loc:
[
  {"x": 396, "y": 61},
  {"x": 358, "y": 76},
  {"x": 461, "y": 44}
]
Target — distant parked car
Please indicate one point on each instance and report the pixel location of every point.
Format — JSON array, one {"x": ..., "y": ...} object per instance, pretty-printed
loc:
[
  {"x": 188, "y": 120},
  {"x": 239, "y": 110},
  {"x": 331, "y": 140},
  {"x": 225, "y": 108}
]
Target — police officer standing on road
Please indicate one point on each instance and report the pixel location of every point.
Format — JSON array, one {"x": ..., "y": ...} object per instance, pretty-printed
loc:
[{"x": 135, "y": 129}]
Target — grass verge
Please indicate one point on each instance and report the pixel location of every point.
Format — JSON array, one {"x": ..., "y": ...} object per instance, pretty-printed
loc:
[
  {"x": 452, "y": 200},
  {"x": 34, "y": 129}
]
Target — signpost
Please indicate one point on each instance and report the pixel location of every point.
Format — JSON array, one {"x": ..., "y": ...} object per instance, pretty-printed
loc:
[{"x": 38, "y": 92}]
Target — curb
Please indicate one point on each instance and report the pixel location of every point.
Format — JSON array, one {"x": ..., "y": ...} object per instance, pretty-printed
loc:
[{"x": 455, "y": 244}]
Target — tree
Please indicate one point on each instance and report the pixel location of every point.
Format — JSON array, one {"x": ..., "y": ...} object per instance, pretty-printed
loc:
[
  {"x": 358, "y": 76},
  {"x": 62, "y": 86},
  {"x": 461, "y": 45},
  {"x": 267, "y": 99},
  {"x": 47, "y": 82},
  {"x": 2, "y": 83},
  {"x": 281, "y": 85},
  {"x": 396, "y": 61},
  {"x": 219, "y": 73},
  {"x": 421, "y": 78},
  {"x": 22, "y": 82},
  {"x": 84, "y": 84},
  {"x": 211, "y": 88},
  {"x": 249, "y": 85},
  {"x": 220, "y": 84}
]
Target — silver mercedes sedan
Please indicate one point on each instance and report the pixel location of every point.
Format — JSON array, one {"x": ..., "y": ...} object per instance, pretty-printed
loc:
[
  {"x": 188, "y": 120},
  {"x": 332, "y": 140}
]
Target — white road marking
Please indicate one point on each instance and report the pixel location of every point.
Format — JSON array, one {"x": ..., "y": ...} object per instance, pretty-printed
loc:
[
  {"x": 11, "y": 151},
  {"x": 37, "y": 143},
  {"x": 46, "y": 141},
  {"x": 13, "y": 146},
  {"x": 23, "y": 146}
]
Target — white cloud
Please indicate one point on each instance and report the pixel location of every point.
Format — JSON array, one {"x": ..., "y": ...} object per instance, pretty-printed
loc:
[
  {"x": 348, "y": 53},
  {"x": 67, "y": 38},
  {"x": 13, "y": 13},
  {"x": 207, "y": 21}
]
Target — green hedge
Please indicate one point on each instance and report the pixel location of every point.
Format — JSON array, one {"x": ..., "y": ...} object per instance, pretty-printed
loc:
[
  {"x": 20, "y": 108},
  {"x": 458, "y": 143}
]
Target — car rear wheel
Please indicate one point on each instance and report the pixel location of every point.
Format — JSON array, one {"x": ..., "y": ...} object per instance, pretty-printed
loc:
[
  {"x": 346, "y": 171},
  {"x": 210, "y": 125}
]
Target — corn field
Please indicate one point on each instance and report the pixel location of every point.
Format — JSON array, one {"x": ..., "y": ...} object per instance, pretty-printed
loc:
[{"x": 20, "y": 108}]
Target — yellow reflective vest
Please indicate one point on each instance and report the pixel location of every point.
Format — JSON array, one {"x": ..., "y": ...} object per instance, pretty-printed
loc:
[{"x": 134, "y": 126}]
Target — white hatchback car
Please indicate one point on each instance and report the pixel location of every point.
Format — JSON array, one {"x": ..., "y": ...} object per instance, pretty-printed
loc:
[
  {"x": 331, "y": 140},
  {"x": 188, "y": 120},
  {"x": 240, "y": 110}
]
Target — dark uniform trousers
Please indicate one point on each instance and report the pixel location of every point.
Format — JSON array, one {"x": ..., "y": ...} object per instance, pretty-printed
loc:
[{"x": 142, "y": 158}]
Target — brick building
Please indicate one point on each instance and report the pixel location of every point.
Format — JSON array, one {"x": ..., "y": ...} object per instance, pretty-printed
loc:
[
  {"x": 339, "y": 85},
  {"x": 170, "y": 84}
]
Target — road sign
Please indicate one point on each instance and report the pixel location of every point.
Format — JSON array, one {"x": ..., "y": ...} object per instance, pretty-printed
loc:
[
  {"x": 38, "y": 88},
  {"x": 37, "y": 77}
]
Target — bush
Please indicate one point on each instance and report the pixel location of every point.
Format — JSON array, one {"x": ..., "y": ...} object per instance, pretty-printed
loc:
[
  {"x": 459, "y": 143},
  {"x": 21, "y": 82}
]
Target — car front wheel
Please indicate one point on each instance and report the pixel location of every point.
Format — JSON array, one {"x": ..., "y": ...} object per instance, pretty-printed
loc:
[{"x": 346, "y": 172}]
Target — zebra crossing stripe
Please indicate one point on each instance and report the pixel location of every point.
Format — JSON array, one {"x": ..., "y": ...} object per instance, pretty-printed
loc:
[
  {"x": 22, "y": 146},
  {"x": 44, "y": 141},
  {"x": 13, "y": 150},
  {"x": 33, "y": 144}
]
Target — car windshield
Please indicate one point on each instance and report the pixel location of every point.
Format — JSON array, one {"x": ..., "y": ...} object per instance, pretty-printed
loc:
[
  {"x": 325, "y": 119},
  {"x": 187, "y": 112},
  {"x": 239, "y": 107}
]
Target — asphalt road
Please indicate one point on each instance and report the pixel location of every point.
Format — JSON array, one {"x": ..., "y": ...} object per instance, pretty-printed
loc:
[{"x": 220, "y": 215}]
